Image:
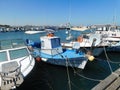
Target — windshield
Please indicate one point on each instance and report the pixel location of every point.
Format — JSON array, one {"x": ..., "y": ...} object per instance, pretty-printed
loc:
[
  {"x": 3, "y": 56},
  {"x": 55, "y": 42},
  {"x": 14, "y": 54}
]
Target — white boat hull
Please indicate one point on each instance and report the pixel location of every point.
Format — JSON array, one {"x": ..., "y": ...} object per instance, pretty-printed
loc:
[
  {"x": 33, "y": 32},
  {"x": 16, "y": 63},
  {"x": 96, "y": 51}
]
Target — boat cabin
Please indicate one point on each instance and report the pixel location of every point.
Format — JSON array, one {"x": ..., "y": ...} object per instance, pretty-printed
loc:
[{"x": 51, "y": 45}]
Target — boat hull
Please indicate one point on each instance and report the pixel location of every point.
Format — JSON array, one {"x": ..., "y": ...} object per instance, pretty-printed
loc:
[
  {"x": 96, "y": 51},
  {"x": 113, "y": 49},
  {"x": 68, "y": 57},
  {"x": 72, "y": 62}
]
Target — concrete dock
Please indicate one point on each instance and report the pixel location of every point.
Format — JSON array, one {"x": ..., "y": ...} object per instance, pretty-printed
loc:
[{"x": 112, "y": 82}]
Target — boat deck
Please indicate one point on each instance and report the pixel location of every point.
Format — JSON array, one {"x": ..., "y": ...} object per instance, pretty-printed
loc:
[
  {"x": 66, "y": 54},
  {"x": 112, "y": 82}
]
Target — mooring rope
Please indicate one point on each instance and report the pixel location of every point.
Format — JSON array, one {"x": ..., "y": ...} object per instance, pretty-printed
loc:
[
  {"x": 67, "y": 61},
  {"x": 69, "y": 83},
  {"x": 108, "y": 60},
  {"x": 98, "y": 80}
]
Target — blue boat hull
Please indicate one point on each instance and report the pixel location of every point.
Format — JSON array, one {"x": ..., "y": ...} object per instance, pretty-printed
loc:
[
  {"x": 67, "y": 58},
  {"x": 73, "y": 62}
]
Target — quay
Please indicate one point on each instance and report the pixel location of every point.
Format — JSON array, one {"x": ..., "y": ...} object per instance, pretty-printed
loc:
[{"x": 112, "y": 82}]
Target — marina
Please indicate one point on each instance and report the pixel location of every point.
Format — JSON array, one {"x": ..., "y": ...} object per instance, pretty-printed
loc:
[
  {"x": 93, "y": 73},
  {"x": 59, "y": 45}
]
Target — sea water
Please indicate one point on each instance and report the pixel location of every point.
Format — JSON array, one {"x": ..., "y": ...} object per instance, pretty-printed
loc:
[{"x": 51, "y": 77}]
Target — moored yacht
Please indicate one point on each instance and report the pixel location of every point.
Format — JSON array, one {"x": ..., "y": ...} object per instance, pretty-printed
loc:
[
  {"x": 16, "y": 63},
  {"x": 111, "y": 36},
  {"x": 92, "y": 42}
]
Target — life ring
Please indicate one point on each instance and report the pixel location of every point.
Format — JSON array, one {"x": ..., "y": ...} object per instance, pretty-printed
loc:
[{"x": 80, "y": 39}]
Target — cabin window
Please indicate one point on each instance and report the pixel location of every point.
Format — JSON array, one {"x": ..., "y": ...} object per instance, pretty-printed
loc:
[
  {"x": 42, "y": 43},
  {"x": 55, "y": 42},
  {"x": 3, "y": 56},
  {"x": 14, "y": 54}
]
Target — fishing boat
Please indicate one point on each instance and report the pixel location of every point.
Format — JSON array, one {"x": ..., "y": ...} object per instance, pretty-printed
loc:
[
  {"x": 52, "y": 52},
  {"x": 91, "y": 42},
  {"x": 16, "y": 63}
]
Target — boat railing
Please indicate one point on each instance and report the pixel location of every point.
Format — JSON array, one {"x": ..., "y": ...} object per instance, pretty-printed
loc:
[
  {"x": 24, "y": 59},
  {"x": 17, "y": 68}
]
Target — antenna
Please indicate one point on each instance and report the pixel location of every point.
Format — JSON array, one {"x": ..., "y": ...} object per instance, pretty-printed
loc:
[
  {"x": 114, "y": 16},
  {"x": 69, "y": 16}
]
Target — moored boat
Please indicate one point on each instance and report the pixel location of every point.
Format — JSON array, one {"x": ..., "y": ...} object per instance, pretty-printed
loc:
[
  {"x": 83, "y": 28},
  {"x": 110, "y": 35},
  {"x": 16, "y": 63},
  {"x": 33, "y": 32},
  {"x": 92, "y": 42},
  {"x": 52, "y": 52}
]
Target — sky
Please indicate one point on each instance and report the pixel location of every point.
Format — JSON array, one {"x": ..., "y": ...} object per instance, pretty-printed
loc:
[{"x": 59, "y": 12}]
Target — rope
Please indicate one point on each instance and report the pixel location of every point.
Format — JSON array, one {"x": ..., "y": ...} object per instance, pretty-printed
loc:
[
  {"x": 67, "y": 60},
  {"x": 114, "y": 62},
  {"x": 84, "y": 76},
  {"x": 69, "y": 83},
  {"x": 75, "y": 85},
  {"x": 108, "y": 60},
  {"x": 88, "y": 78}
]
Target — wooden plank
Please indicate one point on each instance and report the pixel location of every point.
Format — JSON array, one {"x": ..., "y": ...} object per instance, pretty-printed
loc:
[
  {"x": 119, "y": 88},
  {"x": 117, "y": 72},
  {"x": 115, "y": 85},
  {"x": 106, "y": 82},
  {"x": 112, "y": 82}
]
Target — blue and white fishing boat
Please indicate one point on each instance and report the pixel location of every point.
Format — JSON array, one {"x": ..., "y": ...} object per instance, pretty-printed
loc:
[
  {"x": 16, "y": 63},
  {"x": 52, "y": 52}
]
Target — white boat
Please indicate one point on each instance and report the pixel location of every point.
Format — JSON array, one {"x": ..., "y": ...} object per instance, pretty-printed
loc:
[
  {"x": 111, "y": 36},
  {"x": 52, "y": 52},
  {"x": 88, "y": 43},
  {"x": 33, "y": 32},
  {"x": 83, "y": 28},
  {"x": 16, "y": 63},
  {"x": 69, "y": 37},
  {"x": 110, "y": 32}
]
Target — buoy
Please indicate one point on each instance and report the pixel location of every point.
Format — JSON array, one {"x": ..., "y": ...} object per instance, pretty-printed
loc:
[
  {"x": 91, "y": 58},
  {"x": 38, "y": 59}
]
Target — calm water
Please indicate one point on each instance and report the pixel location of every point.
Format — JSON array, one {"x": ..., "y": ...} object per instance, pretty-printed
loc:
[{"x": 50, "y": 77}]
